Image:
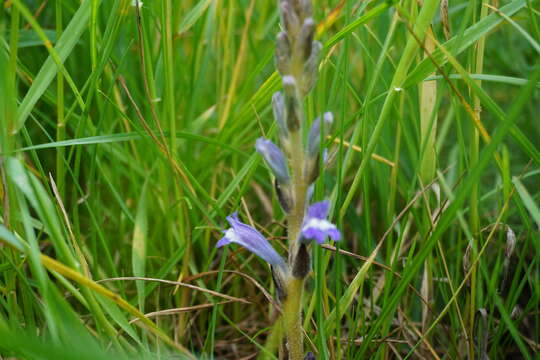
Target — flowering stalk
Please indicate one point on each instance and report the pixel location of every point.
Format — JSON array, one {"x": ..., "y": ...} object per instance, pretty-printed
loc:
[
  {"x": 296, "y": 58},
  {"x": 295, "y": 167}
]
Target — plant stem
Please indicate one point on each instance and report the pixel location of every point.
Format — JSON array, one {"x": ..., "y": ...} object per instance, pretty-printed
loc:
[
  {"x": 292, "y": 319},
  {"x": 295, "y": 218},
  {"x": 292, "y": 307}
]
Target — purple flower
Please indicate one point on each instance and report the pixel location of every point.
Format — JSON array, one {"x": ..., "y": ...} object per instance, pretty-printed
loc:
[
  {"x": 250, "y": 239},
  {"x": 274, "y": 158},
  {"x": 316, "y": 226}
]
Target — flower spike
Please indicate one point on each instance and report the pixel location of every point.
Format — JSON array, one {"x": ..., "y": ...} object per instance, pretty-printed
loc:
[
  {"x": 251, "y": 239},
  {"x": 316, "y": 226}
]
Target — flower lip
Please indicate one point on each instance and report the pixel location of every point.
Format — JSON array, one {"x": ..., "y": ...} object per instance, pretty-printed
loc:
[
  {"x": 251, "y": 239},
  {"x": 316, "y": 226}
]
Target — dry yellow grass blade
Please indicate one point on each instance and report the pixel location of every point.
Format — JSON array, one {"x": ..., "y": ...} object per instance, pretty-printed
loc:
[
  {"x": 359, "y": 149},
  {"x": 180, "y": 310},
  {"x": 330, "y": 19},
  {"x": 179, "y": 283}
]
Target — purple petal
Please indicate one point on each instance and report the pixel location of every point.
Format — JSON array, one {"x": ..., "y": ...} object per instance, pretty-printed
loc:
[
  {"x": 223, "y": 241},
  {"x": 233, "y": 217},
  {"x": 334, "y": 234},
  {"x": 314, "y": 233},
  {"x": 319, "y": 210}
]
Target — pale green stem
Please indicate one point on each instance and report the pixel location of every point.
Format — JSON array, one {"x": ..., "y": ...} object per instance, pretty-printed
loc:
[
  {"x": 292, "y": 319},
  {"x": 296, "y": 217},
  {"x": 292, "y": 306}
]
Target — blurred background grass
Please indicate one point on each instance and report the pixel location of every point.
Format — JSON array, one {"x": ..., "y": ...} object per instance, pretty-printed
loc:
[{"x": 127, "y": 137}]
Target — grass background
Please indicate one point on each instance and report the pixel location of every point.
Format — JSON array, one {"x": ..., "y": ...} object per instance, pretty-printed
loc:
[{"x": 127, "y": 137}]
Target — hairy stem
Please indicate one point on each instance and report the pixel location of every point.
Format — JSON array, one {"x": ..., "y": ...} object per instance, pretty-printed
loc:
[
  {"x": 292, "y": 307},
  {"x": 296, "y": 217},
  {"x": 292, "y": 319}
]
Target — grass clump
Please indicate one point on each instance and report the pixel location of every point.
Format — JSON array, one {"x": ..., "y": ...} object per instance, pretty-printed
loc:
[{"x": 127, "y": 138}]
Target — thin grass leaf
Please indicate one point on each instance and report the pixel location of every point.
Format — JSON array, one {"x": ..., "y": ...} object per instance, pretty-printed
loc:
[
  {"x": 139, "y": 244},
  {"x": 527, "y": 199},
  {"x": 501, "y": 79},
  {"x": 9, "y": 238},
  {"x": 123, "y": 137},
  {"x": 193, "y": 15}
]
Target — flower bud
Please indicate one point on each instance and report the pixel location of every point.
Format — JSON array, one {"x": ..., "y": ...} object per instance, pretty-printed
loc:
[
  {"x": 292, "y": 103},
  {"x": 305, "y": 38},
  {"x": 289, "y": 86},
  {"x": 279, "y": 110},
  {"x": 305, "y": 8},
  {"x": 280, "y": 114},
  {"x": 289, "y": 18},
  {"x": 283, "y": 53},
  {"x": 314, "y": 138},
  {"x": 302, "y": 8},
  {"x": 274, "y": 159},
  {"x": 312, "y": 169},
  {"x": 312, "y": 165},
  {"x": 311, "y": 67}
]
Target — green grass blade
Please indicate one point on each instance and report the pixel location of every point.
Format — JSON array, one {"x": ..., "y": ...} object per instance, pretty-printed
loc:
[
  {"x": 139, "y": 244},
  {"x": 48, "y": 71},
  {"x": 458, "y": 44},
  {"x": 527, "y": 199}
]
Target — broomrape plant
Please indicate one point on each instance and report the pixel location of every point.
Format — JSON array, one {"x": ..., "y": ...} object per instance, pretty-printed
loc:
[{"x": 295, "y": 167}]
